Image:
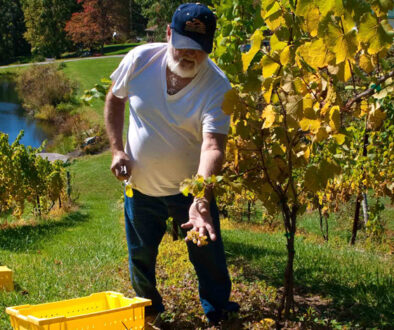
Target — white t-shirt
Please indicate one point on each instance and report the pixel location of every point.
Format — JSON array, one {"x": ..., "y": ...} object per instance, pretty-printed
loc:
[{"x": 165, "y": 131}]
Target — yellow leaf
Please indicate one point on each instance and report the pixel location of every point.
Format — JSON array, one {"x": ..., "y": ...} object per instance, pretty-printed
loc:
[
  {"x": 273, "y": 17},
  {"x": 335, "y": 118},
  {"x": 307, "y": 103},
  {"x": 364, "y": 107},
  {"x": 231, "y": 102},
  {"x": 267, "y": 322},
  {"x": 312, "y": 20},
  {"x": 311, "y": 125},
  {"x": 311, "y": 179},
  {"x": 267, "y": 94},
  {"x": 268, "y": 116},
  {"x": 285, "y": 56},
  {"x": 376, "y": 118},
  {"x": 315, "y": 53},
  {"x": 255, "y": 47},
  {"x": 344, "y": 72},
  {"x": 374, "y": 33},
  {"x": 269, "y": 66},
  {"x": 276, "y": 44},
  {"x": 300, "y": 86},
  {"x": 321, "y": 134},
  {"x": 129, "y": 191},
  {"x": 348, "y": 22},
  {"x": 366, "y": 63},
  {"x": 340, "y": 138},
  {"x": 324, "y": 6},
  {"x": 344, "y": 46}
]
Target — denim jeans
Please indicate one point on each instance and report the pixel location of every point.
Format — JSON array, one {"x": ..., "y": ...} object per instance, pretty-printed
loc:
[{"x": 145, "y": 218}]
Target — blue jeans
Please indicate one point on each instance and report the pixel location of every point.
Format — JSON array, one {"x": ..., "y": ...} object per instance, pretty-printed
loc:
[{"x": 145, "y": 218}]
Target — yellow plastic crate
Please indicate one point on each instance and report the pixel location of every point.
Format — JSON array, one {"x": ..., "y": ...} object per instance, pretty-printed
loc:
[
  {"x": 6, "y": 282},
  {"x": 104, "y": 310}
]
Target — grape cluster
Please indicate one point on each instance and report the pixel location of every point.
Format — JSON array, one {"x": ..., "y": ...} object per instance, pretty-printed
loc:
[{"x": 195, "y": 237}]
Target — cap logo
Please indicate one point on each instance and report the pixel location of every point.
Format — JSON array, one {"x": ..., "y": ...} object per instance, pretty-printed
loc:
[{"x": 195, "y": 26}]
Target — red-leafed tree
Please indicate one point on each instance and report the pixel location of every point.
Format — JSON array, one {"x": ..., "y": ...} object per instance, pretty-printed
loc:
[{"x": 93, "y": 26}]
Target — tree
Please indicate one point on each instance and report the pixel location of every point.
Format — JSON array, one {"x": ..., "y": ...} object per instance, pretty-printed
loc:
[
  {"x": 94, "y": 25},
  {"x": 288, "y": 97},
  {"x": 159, "y": 13},
  {"x": 12, "y": 28},
  {"x": 45, "y": 21}
]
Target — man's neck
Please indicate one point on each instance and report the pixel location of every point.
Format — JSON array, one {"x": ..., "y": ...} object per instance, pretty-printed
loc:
[{"x": 175, "y": 83}]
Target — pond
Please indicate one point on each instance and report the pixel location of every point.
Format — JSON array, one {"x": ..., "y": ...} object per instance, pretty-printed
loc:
[{"x": 13, "y": 119}]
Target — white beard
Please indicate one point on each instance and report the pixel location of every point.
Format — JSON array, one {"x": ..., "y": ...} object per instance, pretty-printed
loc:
[{"x": 175, "y": 67}]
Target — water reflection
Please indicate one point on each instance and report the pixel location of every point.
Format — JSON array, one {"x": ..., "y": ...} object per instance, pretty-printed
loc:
[{"x": 13, "y": 119}]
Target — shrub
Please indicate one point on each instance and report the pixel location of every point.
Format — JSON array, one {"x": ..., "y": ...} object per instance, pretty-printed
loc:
[
  {"x": 42, "y": 85},
  {"x": 46, "y": 112}
]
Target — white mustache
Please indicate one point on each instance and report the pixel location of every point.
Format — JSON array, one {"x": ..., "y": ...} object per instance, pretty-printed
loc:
[{"x": 188, "y": 59}]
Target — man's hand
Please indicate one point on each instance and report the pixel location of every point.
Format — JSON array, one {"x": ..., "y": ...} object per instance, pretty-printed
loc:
[
  {"x": 121, "y": 165},
  {"x": 200, "y": 219}
]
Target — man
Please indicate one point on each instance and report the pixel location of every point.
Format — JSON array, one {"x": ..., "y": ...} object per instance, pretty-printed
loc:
[{"x": 177, "y": 129}]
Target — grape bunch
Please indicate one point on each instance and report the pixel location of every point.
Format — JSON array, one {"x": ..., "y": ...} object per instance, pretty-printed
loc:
[{"x": 195, "y": 237}]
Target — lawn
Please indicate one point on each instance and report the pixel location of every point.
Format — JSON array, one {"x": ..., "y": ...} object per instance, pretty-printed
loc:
[{"x": 85, "y": 251}]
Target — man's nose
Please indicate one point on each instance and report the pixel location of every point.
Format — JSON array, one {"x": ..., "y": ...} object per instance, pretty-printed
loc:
[{"x": 190, "y": 52}]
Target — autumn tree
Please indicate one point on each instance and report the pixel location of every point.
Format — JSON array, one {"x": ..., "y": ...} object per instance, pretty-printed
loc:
[
  {"x": 45, "y": 21},
  {"x": 288, "y": 62},
  {"x": 94, "y": 25},
  {"x": 159, "y": 13},
  {"x": 12, "y": 28}
]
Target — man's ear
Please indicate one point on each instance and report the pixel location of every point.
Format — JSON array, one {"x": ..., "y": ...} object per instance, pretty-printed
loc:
[{"x": 168, "y": 33}]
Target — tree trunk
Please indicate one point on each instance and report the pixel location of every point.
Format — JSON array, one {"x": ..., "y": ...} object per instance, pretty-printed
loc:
[
  {"x": 249, "y": 210},
  {"x": 356, "y": 219},
  {"x": 38, "y": 206},
  {"x": 68, "y": 184},
  {"x": 364, "y": 204},
  {"x": 321, "y": 216},
  {"x": 287, "y": 301},
  {"x": 131, "y": 18},
  {"x": 174, "y": 231}
]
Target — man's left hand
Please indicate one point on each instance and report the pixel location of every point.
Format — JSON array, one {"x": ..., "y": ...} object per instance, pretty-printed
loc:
[{"x": 200, "y": 219}]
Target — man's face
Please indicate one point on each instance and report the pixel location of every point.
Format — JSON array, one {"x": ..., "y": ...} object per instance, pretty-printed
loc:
[
  {"x": 188, "y": 58},
  {"x": 184, "y": 62}
]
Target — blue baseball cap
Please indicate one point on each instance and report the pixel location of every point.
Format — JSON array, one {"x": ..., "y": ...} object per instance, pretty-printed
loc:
[{"x": 195, "y": 21}]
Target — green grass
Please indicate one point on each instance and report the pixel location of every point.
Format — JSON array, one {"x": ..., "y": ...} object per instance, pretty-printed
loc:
[
  {"x": 74, "y": 256},
  {"x": 358, "y": 283},
  {"x": 119, "y": 48},
  {"x": 85, "y": 251},
  {"x": 113, "y": 49}
]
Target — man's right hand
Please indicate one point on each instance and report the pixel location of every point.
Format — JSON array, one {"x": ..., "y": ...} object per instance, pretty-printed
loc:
[{"x": 121, "y": 165}]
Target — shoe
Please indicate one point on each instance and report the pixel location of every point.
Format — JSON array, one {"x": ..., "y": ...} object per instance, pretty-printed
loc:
[{"x": 153, "y": 321}]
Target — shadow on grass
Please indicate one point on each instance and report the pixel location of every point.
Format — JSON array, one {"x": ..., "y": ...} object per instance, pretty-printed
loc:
[
  {"x": 22, "y": 238},
  {"x": 116, "y": 48},
  {"x": 364, "y": 303}
]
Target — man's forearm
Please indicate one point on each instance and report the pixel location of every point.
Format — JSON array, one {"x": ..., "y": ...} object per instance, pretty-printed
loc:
[
  {"x": 211, "y": 161},
  {"x": 114, "y": 120}
]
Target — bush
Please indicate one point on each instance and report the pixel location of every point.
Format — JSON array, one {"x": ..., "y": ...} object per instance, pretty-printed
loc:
[
  {"x": 46, "y": 112},
  {"x": 42, "y": 85}
]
